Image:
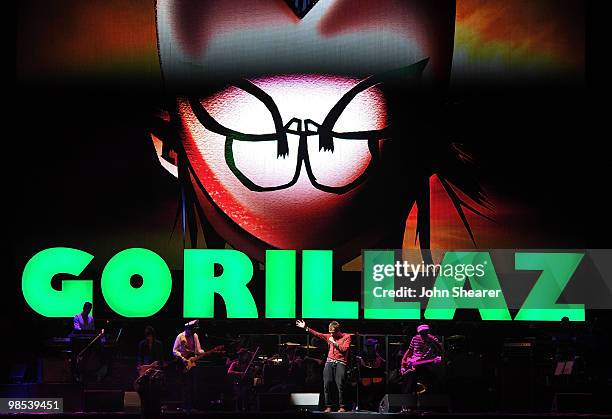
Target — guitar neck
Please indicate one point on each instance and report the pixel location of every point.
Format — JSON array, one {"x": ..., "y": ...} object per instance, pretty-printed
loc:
[
  {"x": 425, "y": 361},
  {"x": 199, "y": 356}
]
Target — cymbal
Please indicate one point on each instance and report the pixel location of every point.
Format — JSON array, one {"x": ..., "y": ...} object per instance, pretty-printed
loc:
[
  {"x": 395, "y": 343},
  {"x": 308, "y": 346},
  {"x": 289, "y": 344}
]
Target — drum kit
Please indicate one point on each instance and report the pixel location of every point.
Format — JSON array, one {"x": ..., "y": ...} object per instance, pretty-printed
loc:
[{"x": 269, "y": 369}]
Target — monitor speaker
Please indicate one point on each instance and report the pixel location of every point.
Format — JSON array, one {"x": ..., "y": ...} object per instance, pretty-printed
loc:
[
  {"x": 304, "y": 401},
  {"x": 131, "y": 402},
  {"x": 393, "y": 403}
]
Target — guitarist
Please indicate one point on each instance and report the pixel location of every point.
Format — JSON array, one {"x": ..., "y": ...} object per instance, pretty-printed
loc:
[
  {"x": 423, "y": 346},
  {"x": 187, "y": 346},
  {"x": 150, "y": 351}
]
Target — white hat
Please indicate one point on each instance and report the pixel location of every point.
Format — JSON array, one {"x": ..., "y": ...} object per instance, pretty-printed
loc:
[
  {"x": 192, "y": 324},
  {"x": 422, "y": 327}
]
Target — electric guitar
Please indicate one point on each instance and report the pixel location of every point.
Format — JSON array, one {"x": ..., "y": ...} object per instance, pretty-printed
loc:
[
  {"x": 189, "y": 363},
  {"x": 142, "y": 369},
  {"x": 413, "y": 363}
]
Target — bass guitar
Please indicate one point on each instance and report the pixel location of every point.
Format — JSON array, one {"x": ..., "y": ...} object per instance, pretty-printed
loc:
[
  {"x": 413, "y": 363},
  {"x": 189, "y": 363}
]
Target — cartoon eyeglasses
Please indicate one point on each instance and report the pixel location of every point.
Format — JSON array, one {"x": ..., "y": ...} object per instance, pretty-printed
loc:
[{"x": 333, "y": 181}]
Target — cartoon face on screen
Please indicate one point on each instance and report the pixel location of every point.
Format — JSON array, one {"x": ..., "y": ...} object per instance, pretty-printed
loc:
[{"x": 309, "y": 128}]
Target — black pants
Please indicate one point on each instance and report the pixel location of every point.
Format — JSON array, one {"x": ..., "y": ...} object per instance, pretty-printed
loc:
[
  {"x": 334, "y": 372},
  {"x": 188, "y": 380}
]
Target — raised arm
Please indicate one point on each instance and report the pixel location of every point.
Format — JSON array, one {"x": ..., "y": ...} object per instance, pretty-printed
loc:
[{"x": 302, "y": 324}]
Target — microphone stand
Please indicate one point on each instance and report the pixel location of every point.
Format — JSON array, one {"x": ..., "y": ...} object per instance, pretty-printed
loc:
[{"x": 356, "y": 407}]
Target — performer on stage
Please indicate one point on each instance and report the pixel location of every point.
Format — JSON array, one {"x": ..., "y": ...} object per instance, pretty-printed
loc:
[
  {"x": 241, "y": 384},
  {"x": 150, "y": 351},
  {"x": 186, "y": 346},
  {"x": 371, "y": 376},
  {"x": 424, "y": 350},
  {"x": 84, "y": 320},
  {"x": 337, "y": 358},
  {"x": 150, "y": 375}
]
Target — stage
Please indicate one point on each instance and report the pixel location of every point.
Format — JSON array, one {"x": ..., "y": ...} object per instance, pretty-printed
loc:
[{"x": 352, "y": 415}]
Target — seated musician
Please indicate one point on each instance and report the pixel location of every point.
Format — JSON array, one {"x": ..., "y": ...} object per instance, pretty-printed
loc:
[
  {"x": 87, "y": 360},
  {"x": 423, "y": 347},
  {"x": 294, "y": 373},
  {"x": 150, "y": 351},
  {"x": 186, "y": 346},
  {"x": 371, "y": 358},
  {"x": 84, "y": 320},
  {"x": 371, "y": 375},
  {"x": 239, "y": 374}
]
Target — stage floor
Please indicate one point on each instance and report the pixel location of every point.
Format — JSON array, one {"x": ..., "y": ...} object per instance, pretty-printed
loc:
[{"x": 316, "y": 415}]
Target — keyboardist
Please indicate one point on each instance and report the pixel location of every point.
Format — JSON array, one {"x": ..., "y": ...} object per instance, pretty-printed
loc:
[{"x": 84, "y": 320}]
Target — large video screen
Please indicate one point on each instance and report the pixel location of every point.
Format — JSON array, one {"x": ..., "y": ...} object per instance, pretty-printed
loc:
[{"x": 271, "y": 159}]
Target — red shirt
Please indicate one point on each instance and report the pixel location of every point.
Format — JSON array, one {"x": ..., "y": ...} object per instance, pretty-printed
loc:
[{"x": 339, "y": 353}]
